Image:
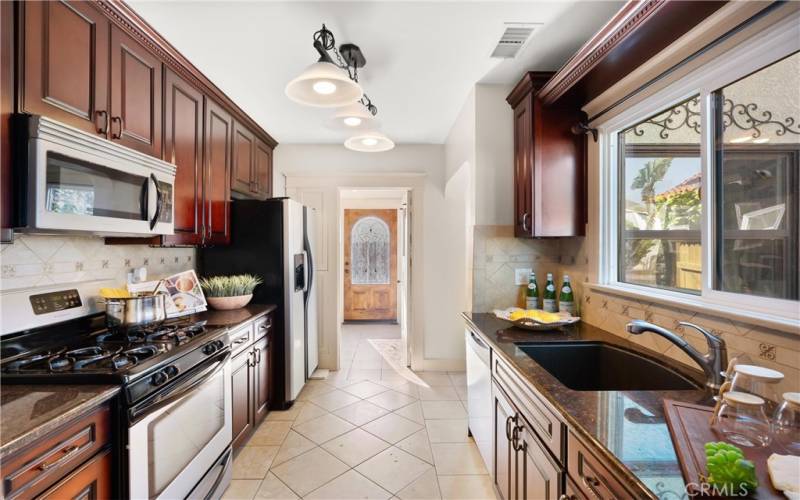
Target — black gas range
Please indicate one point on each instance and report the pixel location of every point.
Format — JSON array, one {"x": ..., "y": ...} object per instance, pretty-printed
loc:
[
  {"x": 141, "y": 360},
  {"x": 175, "y": 410}
]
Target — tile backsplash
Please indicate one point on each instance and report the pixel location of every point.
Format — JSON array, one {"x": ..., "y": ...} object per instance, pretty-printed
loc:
[
  {"x": 497, "y": 253},
  {"x": 37, "y": 260}
]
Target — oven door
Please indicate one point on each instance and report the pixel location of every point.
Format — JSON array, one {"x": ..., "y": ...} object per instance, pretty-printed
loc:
[
  {"x": 178, "y": 435},
  {"x": 75, "y": 185}
]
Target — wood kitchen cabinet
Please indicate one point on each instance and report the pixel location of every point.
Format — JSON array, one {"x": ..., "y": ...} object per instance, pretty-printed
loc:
[
  {"x": 523, "y": 468},
  {"x": 548, "y": 163},
  {"x": 65, "y": 463},
  {"x": 135, "y": 116},
  {"x": 242, "y": 390},
  {"x": 183, "y": 146},
  {"x": 250, "y": 377},
  {"x": 217, "y": 143},
  {"x": 251, "y": 173},
  {"x": 65, "y": 67}
]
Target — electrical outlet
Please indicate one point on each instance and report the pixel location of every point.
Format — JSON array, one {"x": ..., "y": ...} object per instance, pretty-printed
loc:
[{"x": 521, "y": 276}]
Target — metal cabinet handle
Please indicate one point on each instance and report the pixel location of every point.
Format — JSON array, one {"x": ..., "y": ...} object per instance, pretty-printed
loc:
[
  {"x": 240, "y": 340},
  {"x": 508, "y": 426},
  {"x": 68, "y": 453},
  {"x": 104, "y": 114},
  {"x": 525, "y": 221},
  {"x": 117, "y": 119},
  {"x": 591, "y": 483}
]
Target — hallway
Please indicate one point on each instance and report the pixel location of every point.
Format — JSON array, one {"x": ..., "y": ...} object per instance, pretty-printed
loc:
[{"x": 374, "y": 429}]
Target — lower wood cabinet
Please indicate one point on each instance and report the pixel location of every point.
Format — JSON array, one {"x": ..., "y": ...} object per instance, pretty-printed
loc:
[
  {"x": 91, "y": 481},
  {"x": 523, "y": 467},
  {"x": 250, "y": 377},
  {"x": 73, "y": 461}
]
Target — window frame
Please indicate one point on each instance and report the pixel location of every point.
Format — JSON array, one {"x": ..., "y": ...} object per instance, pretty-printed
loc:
[{"x": 773, "y": 44}]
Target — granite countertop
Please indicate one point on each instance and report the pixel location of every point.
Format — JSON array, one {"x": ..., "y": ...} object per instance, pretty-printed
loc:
[
  {"x": 31, "y": 411},
  {"x": 235, "y": 317},
  {"x": 626, "y": 427}
]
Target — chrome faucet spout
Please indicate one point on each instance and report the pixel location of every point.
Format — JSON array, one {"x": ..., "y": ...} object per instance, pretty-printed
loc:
[{"x": 712, "y": 363}]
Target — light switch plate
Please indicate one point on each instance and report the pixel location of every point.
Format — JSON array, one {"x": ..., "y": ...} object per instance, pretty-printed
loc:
[{"x": 521, "y": 276}]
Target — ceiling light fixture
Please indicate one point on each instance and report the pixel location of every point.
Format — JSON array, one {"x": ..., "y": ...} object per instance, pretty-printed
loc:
[
  {"x": 354, "y": 116},
  {"x": 329, "y": 83},
  {"x": 325, "y": 83},
  {"x": 369, "y": 142}
]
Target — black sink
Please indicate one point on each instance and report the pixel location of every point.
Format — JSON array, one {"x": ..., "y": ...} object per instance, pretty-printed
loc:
[{"x": 597, "y": 366}]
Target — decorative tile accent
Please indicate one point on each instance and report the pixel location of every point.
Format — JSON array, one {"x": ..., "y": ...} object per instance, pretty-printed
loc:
[{"x": 766, "y": 351}]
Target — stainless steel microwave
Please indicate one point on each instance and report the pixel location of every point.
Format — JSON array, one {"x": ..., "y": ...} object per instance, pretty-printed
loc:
[{"x": 71, "y": 181}]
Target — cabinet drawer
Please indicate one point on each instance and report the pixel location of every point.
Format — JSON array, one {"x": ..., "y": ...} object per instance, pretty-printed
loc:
[
  {"x": 544, "y": 421},
  {"x": 262, "y": 326},
  {"x": 92, "y": 481},
  {"x": 47, "y": 460},
  {"x": 592, "y": 478},
  {"x": 241, "y": 338}
]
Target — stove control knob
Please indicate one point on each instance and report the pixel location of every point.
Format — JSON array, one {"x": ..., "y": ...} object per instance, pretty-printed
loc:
[
  {"x": 159, "y": 378},
  {"x": 171, "y": 371},
  {"x": 210, "y": 349}
]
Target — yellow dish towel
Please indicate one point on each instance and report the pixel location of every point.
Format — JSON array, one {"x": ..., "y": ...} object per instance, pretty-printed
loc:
[
  {"x": 114, "y": 293},
  {"x": 537, "y": 315}
]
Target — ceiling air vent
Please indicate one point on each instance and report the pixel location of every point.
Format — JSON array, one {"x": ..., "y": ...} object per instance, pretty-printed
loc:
[{"x": 514, "y": 38}]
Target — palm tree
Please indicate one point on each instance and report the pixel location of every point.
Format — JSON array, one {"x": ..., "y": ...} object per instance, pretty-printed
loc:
[{"x": 647, "y": 178}]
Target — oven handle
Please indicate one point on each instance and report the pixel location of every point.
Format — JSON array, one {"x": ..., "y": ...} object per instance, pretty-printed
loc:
[
  {"x": 159, "y": 202},
  {"x": 213, "y": 367}
]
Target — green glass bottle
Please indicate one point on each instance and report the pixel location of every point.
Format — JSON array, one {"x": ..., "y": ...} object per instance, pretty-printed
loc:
[
  {"x": 549, "y": 296},
  {"x": 566, "y": 298},
  {"x": 532, "y": 293}
]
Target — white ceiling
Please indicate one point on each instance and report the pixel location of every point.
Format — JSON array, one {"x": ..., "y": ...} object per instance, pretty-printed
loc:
[{"x": 422, "y": 57}]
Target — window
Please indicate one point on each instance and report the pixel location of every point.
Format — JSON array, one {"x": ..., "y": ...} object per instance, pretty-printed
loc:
[
  {"x": 702, "y": 188},
  {"x": 369, "y": 242}
]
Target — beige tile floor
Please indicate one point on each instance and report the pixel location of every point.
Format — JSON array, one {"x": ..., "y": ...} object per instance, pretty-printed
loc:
[{"x": 373, "y": 430}]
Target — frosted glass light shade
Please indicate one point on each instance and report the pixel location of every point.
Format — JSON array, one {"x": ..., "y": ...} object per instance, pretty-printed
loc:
[
  {"x": 324, "y": 85},
  {"x": 369, "y": 142},
  {"x": 353, "y": 117}
]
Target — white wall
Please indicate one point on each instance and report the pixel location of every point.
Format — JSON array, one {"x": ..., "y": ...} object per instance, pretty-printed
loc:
[
  {"x": 494, "y": 156},
  {"x": 314, "y": 174}
]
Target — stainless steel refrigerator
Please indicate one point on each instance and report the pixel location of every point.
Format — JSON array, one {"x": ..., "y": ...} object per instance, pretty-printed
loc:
[{"x": 273, "y": 239}]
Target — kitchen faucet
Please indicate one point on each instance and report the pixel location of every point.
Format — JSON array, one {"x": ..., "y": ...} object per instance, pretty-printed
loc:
[{"x": 712, "y": 363}]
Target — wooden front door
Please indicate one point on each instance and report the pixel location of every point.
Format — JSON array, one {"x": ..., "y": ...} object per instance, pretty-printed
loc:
[{"x": 370, "y": 265}]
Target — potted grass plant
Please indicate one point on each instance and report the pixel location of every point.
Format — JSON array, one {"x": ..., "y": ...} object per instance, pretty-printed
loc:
[{"x": 229, "y": 292}]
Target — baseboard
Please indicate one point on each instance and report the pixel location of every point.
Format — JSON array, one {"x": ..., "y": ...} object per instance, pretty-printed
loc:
[
  {"x": 370, "y": 322},
  {"x": 444, "y": 365}
]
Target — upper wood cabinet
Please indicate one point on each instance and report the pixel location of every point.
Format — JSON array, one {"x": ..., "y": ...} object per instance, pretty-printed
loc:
[
  {"x": 183, "y": 146},
  {"x": 243, "y": 159},
  {"x": 251, "y": 175},
  {"x": 548, "y": 163},
  {"x": 263, "y": 169},
  {"x": 65, "y": 66},
  {"x": 217, "y": 142},
  {"x": 135, "y": 116}
]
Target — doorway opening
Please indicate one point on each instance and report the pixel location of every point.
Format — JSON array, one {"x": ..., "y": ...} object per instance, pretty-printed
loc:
[{"x": 375, "y": 240}]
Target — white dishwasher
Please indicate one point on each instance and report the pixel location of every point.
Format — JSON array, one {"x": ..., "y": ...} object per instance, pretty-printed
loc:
[{"x": 479, "y": 396}]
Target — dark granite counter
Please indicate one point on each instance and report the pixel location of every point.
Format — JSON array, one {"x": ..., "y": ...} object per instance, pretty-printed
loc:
[
  {"x": 31, "y": 411},
  {"x": 235, "y": 317},
  {"x": 625, "y": 427}
]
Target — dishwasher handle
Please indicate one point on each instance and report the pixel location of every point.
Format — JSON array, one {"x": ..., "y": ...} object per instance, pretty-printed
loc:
[{"x": 479, "y": 347}]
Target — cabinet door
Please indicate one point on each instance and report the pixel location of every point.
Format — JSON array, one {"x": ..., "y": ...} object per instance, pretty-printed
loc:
[
  {"x": 183, "y": 146},
  {"x": 65, "y": 69},
  {"x": 523, "y": 165},
  {"x": 504, "y": 455},
  {"x": 263, "y": 170},
  {"x": 135, "y": 95},
  {"x": 91, "y": 481},
  {"x": 242, "y": 390},
  {"x": 261, "y": 352},
  {"x": 538, "y": 478},
  {"x": 242, "y": 180},
  {"x": 216, "y": 183}
]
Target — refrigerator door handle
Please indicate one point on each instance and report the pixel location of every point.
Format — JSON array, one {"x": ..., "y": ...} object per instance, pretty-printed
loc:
[{"x": 305, "y": 271}]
